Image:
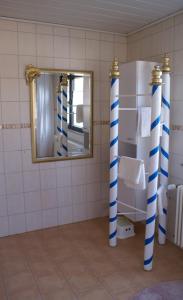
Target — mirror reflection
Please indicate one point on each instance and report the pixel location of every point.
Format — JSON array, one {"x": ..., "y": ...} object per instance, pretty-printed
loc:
[{"x": 62, "y": 115}]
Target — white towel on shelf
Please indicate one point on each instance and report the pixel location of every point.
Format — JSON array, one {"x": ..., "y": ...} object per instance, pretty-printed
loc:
[
  {"x": 132, "y": 171},
  {"x": 79, "y": 113},
  {"x": 144, "y": 121}
]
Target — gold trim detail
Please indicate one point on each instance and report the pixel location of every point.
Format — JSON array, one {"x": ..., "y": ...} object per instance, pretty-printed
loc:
[
  {"x": 156, "y": 76},
  {"x": 115, "y": 69},
  {"x": 166, "y": 64},
  {"x": 64, "y": 81},
  {"x": 31, "y": 72}
]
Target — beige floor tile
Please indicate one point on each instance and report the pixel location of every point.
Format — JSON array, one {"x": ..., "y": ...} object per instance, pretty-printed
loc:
[
  {"x": 29, "y": 294},
  {"x": 83, "y": 282},
  {"x": 96, "y": 294},
  {"x": 19, "y": 283},
  {"x": 64, "y": 294},
  {"x": 50, "y": 283}
]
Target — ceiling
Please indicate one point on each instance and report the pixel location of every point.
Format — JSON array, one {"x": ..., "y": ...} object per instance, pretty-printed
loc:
[{"x": 123, "y": 16}]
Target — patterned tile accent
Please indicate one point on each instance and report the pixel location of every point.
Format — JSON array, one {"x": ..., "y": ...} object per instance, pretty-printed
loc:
[{"x": 15, "y": 126}]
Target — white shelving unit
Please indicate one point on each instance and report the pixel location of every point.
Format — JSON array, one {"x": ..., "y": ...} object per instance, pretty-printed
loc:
[{"x": 135, "y": 92}]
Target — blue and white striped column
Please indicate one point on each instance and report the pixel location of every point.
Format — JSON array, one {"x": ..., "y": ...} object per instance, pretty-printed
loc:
[
  {"x": 59, "y": 122},
  {"x": 164, "y": 160},
  {"x": 113, "y": 185},
  {"x": 64, "y": 117},
  {"x": 153, "y": 168}
]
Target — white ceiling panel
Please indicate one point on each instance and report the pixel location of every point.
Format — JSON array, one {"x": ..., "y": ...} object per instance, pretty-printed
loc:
[{"x": 121, "y": 16}]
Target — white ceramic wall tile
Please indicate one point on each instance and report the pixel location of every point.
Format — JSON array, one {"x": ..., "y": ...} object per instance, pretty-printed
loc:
[
  {"x": 8, "y": 66},
  {"x": 77, "y": 33},
  {"x": 79, "y": 212},
  {"x": 3, "y": 206},
  {"x": 78, "y": 175},
  {"x": 26, "y": 43},
  {"x": 17, "y": 224},
  {"x": 23, "y": 61},
  {"x": 34, "y": 220},
  {"x": 11, "y": 139},
  {"x": 14, "y": 183},
  {"x": 48, "y": 179},
  {"x": 44, "y": 195},
  {"x": 25, "y": 138},
  {"x": 11, "y": 112},
  {"x": 1, "y": 162},
  {"x": 65, "y": 215},
  {"x": 63, "y": 177},
  {"x": 106, "y": 51},
  {"x": 44, "y": 45},
  {"x": 15, "y": 204},
  {"x": 9, "y": 44},
  {"x": 77, "y": 48},
  {"x": 50, "y": 218},
  {"x": 64, "y": 196},
  {"x": 79, "y": 194},
  {"x": 31, "y": 181},
  {"x": 4, "y": 228},
  {"x": 13, "y": 161},
  {"x": 2, "y": 184},
  {"x": 9, "y": 89},
  {"x": 8, "y": 25},
  {"x": 45, "y": 29},
  {"x": 32, "y": 201},
  {"x": 92, "y": 49},
  {"x": 27, "y": 164},
  {"x": 62, "y": 31},
  {"x": 61, "y": 46},
  {"x": 26, "y": 27},
  {"x": 49, "y": 198}
]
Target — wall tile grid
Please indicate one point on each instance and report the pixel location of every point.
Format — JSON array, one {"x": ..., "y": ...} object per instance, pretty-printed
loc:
[
  {"x": 151, "y": 44},
  {"x": 34, "y": 196}
]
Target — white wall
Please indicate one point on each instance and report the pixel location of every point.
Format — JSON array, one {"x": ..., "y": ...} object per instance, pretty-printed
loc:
[
  {"x": 36, "y": 196},
  {"x": 151, "y": 44}
]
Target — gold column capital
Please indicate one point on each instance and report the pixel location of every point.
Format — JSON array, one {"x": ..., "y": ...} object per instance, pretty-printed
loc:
[
  {"x": 166, "y": 64},
  {"x": 64, "y": 81},
  {"x": 115, "y": 69},
  {"x": 156, "y": 76}
]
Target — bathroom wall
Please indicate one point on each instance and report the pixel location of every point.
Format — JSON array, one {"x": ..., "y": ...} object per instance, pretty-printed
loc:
[
  {"x": 34, "y": 196},
  {"x": 151, "y": 44}
]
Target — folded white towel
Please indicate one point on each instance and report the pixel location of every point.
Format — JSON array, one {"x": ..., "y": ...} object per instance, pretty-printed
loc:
[
  {"x": 79, "y": 113},
  {"x": 132, "y": 171},
  {"x": 144, "y": 121}
]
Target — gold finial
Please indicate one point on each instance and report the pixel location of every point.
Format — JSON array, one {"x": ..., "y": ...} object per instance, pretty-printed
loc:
[
  {"x": 156, "y": 76},
  {"x": 115, "y": 69},
  {"x": 166, "y": 64},
  {"x": 64, "y": 80},
  {"x": 31, "y": 72}
]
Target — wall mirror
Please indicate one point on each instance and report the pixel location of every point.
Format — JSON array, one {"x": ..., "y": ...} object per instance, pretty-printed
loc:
[{"x": 61, "y": 113}]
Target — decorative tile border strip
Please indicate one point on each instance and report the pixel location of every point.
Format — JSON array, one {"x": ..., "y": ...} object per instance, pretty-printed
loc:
[
  {"x": 177, "y": 127},
  {"x": 15, "y": 126},
  {"x": 105, "y": 122}
]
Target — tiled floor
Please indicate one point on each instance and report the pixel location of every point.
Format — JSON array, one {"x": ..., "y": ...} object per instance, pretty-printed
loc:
[{"x": 75, "y": 262}]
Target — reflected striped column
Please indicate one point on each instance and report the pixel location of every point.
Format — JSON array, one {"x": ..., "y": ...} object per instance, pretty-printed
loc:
[
  {"x": 113, "y": 185},
  {"x": 153, "y": 168},
  {"x": 64, "y": 122},
  {"x": 59, "y": 122},
  {"x": 164, "y": 161}
]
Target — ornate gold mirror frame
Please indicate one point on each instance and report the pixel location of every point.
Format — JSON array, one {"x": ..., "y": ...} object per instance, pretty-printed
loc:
[{"x": 31, "y": 74}]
